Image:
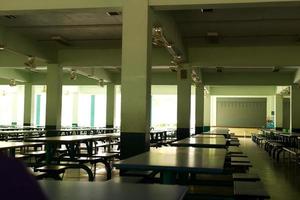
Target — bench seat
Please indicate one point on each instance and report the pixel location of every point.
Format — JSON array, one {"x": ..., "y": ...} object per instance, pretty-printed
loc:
[
  {"x": 250, "y": 190},
  {"x": 245, "y": 177}
]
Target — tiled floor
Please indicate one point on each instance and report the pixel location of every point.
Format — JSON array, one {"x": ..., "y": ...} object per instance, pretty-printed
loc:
[{"x": 281, "y": 179}]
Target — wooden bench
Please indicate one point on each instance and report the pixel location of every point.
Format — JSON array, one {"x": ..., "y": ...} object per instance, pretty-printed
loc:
[
  {"x": 293, "y": 151},
  {"x": 53, "y": 171},
  {"x": 126, "y": 179},
  {"x": 234, "y": 150},
  {"x": 239, "y": 167},
  {"x": 239, "y": 160},
  {"x": 209, "y": 192},
  {"x": 245, "y": 177},
  {"x": 238, "y": 155},
  {"x": 133, "y": 173},
  {"x": 39, "y": 175},
  {"x": 250, "y": 190}
]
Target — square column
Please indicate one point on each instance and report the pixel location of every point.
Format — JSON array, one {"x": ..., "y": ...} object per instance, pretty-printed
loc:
[
  {"x": 183, "y": 104},
  {"x": 54, "y": 97},
  {"x": 207, "y": 110},
  {"x": 279, "y": 112},
  {"x": 135, "y": 78},
  {"x": 295, "y": 106},
  {"x": 199, "y": 109},
  {"x": 27, "y": 104},
  {"x": 110, "y": 105}
]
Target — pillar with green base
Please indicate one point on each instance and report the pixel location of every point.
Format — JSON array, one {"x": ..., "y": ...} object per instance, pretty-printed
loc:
[
  {"x": 207, "y": 111},
  {"x": 27, "y": 104},
  {"x": 199, "y": 109},
  {"x": 279, "y": 112},
  {"x": 135, "y": 78},
  {"x": 53, "y": 104},
  {"x": 295, "y": 114},
  {"x": 54, "y": 97},
  {"x": 110, "y": 105},
  {"x": 183, "y": 103}
]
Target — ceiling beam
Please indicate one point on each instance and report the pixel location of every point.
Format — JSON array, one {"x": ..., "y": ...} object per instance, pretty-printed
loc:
[
  {"x": 249, "y": 78},
  {"x": 37, "y": 5},
  {"x": 245, "y": 56},
  {"x": 297, "y": 76},
  {"x": 170, "y": 31},
  {"x": 17, "y": 44},
  {"x": 197, "y": 4},
  {"x": 18, "y": 75},
  {"x": 95, "y": 73}
]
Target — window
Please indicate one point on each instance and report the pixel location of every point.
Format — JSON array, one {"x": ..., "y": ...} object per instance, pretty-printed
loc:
[
  {"x": 11, "y": 105},
  {"x": 164, "y": 107}
]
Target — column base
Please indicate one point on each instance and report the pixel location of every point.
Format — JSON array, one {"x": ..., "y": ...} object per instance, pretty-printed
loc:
[
  {"x": 183, "y": 133},
  {"x": 206, "y": 128},
  {"x": 199, "y": 129},
  {"x": 51, "y": 130},
  {"x": 109, "y": 126},
  {"x": 27, "y": 124},
  {"x": 134, "y": 143},
  {"x": 296, "y": 130}
]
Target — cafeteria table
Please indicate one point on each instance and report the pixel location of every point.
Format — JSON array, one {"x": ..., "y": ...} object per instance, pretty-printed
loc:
[
  {"x": 201, "y": 142},
  {"x": 72, "y": 190},
  {"x": 172, "y": 160},
  {"x": 11, "y": 146},
  {"x": 72, "y": 143}
]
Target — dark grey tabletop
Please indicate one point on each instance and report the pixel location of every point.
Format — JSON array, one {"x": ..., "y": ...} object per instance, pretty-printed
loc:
[
  {"x": 71, "y": 138},
  {"x": 64, "y": 190},
  {"x": 208, "y": 135},
  {"x": 179, "y": 159},
  {"x": 11, "y": 145},
  {"x": 202, "y": 142}
]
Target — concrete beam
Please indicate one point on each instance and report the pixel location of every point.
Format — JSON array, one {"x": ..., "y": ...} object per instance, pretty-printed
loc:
[
  {"x": 171, "y": 31},
  {"x": 297, "y": 76},
  {"x": 95, "y": 73},
  {"x": 10, "y": 6},
  {"x": 19, "y": 45},
  {"x": 196, "y": 4},
  {"x": 242, "y": 56},
  {"x": 18, "y": 75},
  {"x": 249, "y": 78}
]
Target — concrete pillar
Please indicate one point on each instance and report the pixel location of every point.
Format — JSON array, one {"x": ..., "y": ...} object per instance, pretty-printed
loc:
[
  {"x": 135, "y": 78},
  {"x": 110, "y": 105},
  {"x": 183, "y": 104},
  {"x": 54, "y": 97},
  {"x": 199, "y": 109},
  {"x": 27, "y": 104},
  {"x": 295, "y": 106},
  {"x": 207, "y": 110},
  {"x": 279, "y": 112}
]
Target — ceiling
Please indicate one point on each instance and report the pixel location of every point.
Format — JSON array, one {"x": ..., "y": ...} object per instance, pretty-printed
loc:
[
  {"x": 217, "y": 26},
  {"x": 71, "y": 25},
  {"x": 239, "y": 22}
]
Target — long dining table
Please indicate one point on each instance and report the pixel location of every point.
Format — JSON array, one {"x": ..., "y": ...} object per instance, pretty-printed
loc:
[
  {"x": 12, "y": 146},
  {"x": 71, "y": 190},
  {"x": 202, "y": 141},
  {"x": 72, "y": 143},
  {"x": 172, "y": 160}
]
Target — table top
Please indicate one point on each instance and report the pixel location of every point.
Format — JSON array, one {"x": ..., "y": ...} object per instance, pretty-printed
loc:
[
  {"x": 67, "y": 190},
  {"x": 202, "y": 142},
  {"x": 11, "y": 145},
  {"x": 72, "y": 138},
  {"x": 207, "y": 136},
  {"x": 184, "y": 159},
  {"x": 20, "y": 131}
]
